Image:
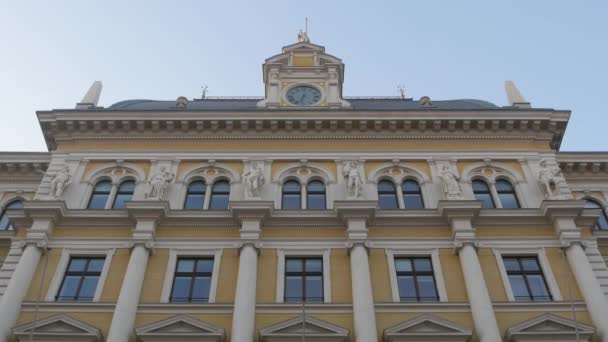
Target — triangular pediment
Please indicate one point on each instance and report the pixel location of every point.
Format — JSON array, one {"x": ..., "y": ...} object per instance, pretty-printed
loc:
[
  {"x": 549, "y": 326},
  {"x": 427, "y": 328},
  {"x": 312, "y": 328},
  {"x": 57, "y": 328},
  {"x": 182, "y": 327}
]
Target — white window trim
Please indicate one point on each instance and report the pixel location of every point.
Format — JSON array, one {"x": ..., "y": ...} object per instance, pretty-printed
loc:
[
  {"x": 62, "y": 266},
  {"x": 545, "y": 267},
  {"x": 191, "y": 252},
  {"x": 283, "y": 253},
  {"x": 437, "y": 272}
]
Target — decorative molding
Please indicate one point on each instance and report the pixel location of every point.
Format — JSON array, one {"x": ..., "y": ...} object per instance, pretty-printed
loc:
[
  {"x": 180, "y": 328},
  {"x": 293, "y": 330},
  {"x": 549, "y": 327},
  {"x": 57, "y": 328},
  {"x": 427, "y": 327}
]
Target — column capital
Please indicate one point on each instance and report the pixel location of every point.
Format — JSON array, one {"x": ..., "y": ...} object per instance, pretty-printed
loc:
[
  {"x": 350, "y": 244},
  {"x": 41, "y": 243},
  {"x": 459, "y": 244},
  {"x": 257, "y": 246},
  {"x": 567, "y": 243}
]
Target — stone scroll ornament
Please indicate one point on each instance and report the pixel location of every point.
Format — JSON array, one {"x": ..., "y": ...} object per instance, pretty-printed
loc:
[
  {"x": 59, "y": 182},
  {"x": 158, "y": 184},
  {"x": 254, "y": 179},
  {"x": 350, "y": 171},
  {"x": 552, "y": 181},
  {"x": 451, "y": 187}
]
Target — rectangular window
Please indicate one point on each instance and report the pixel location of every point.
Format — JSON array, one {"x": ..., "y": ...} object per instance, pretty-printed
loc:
[
  {"x": 304, "y": 280},
  {"x": 80, "y": 279},
  {"x": 416, "y": 279},
  {"x": 526, "y": 278},
  {"x": 192, "y": 280}
]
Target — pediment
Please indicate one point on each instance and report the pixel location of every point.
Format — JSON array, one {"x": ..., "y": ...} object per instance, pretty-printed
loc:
[
  {"x": 294, "y": 329},
  {"x": 549, "y": 327},
  {"x": 57, "y": 328},
  {"x": 427, "y": 328},
  {"x": 182, "y": 328}
]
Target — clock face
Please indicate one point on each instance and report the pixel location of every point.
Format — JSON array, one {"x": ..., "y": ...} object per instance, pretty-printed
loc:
[{"x": 303, "y": 95}]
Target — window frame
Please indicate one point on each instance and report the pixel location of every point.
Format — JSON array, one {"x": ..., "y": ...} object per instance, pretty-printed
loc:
[
  {"x": 117, "y": 193},
  {"x": 115, "y": 183},
  {"x": 192, "y": 275},
  {"x": 306, "y": 194},
  {"x": 398, "y": 198},
  {"x": 302, "y": 191},
  {"x": 401, "y": 194},
  {"x": 543, "y": 262},
  {"x": 211, "y": 191},
  {"x": 602, "y": 207},
  {"x": 3, "y": 213},
  {"x": 433, "y": 254},
  {"x": 283, "y": 254},
  {"x": 175, "y": 254},
  {"x": 66, "y": 255},
  {"x": 206, "y": 194}
]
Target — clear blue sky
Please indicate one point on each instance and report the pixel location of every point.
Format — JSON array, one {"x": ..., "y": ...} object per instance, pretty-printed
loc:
[{"x": 555, "y": 51}]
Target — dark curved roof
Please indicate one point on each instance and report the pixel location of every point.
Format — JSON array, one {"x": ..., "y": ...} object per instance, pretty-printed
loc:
[{"x": 229, "y": 104}]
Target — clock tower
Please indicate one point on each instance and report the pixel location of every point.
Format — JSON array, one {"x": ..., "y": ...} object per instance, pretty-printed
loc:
[{"x": 303, "y": 76}]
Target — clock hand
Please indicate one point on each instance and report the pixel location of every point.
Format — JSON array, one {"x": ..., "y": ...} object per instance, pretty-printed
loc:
[{"x": 302, "y": 97}]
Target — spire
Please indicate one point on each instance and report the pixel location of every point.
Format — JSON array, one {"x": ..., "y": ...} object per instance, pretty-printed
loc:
[
  {"x": 91, "y": 98},
  {"x": 515, "y": 98}
]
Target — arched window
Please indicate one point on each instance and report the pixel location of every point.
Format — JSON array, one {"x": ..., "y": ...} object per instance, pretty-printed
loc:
[
  {"x": 124, "y": 194},
  {"x": 602, "y": 223},
  {"x": 412, "y": 195},
  {"x": 387, "y": 195},
  {"x": 506, "y": 194},
  {"x": 195, "y": 197},
  {"x": 5, "y": 223},
  {"x": 220, "y": 194},
  {"x": 292, "y": 194},
  {"x": 100, "y": 195},
  {"x": 315, "y": 195},
  {"x": 482, "y": 193}
]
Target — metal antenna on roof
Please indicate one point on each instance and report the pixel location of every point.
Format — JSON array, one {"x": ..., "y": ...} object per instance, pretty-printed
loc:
[
  {"x": 401, "y": 89},
  {"x": 306, "y": 25},
  {"x": 204, "y": 94}
]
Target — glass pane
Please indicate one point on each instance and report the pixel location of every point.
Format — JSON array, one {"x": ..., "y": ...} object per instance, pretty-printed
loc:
[
  {"x": 426, "y": 286},
  {"x": 508, "y": 201},
  {"x": 4, "y": 221},
  {"x": 530, "y": 264},
  {"x": 194, "y": 202},
  {"x": 87, "y": 289},
  {"x": 98, "y": 201},
  {"x": 423, "y": 265},
  {"x": 218, "y": 202},
  {"x": 316, "y": 202},
  {"x": 316, "y": 186},
  {"x": 480, "y": 186},
  {"x": 413, "y": 202},
  {"x": 403, "y": 265},
  {"x": 488, "y": 203},
  {"x": 15, "y": 205},
  {"x": 104, "y": 186},
  {"x": 407, "y": 289},
  {"x": 520, "y": 291},
  {"x": 314, "y": 265},
  {"x": 120, "y": 201},
  {"x": 388, "y": 201},
  {"x": 592, "y": 204},
  {"x": 386, "y": 186},
  {"x": 77, "y": 265},
  {"x": 95, "y": 265},
  {"x": 291, "y": 202},
  {"x": 410, "y": 186},
  {"x": 204, "y": 265},
  {"x": 538, "y": 287},
  {"x": 602, "y": 222},
  {"x": 293, "y": 289},
  {"x": 198, "y": 186},
  {"x": 221, "y": 186},
  {"x": 128, "y": 186},
  {"x": 511, "y": 264},
  {"x": 69, "y": 288},
  {"x": 314, "y": 288},
  {"x": 504, "y": 186},
  {"x": 200, "y": 291},
  {"x": 181, "y": 289},
  {"x": 185, "y": 265},
  {"x": 291, "y": 186},
  {"x": 293, "y": 265}
]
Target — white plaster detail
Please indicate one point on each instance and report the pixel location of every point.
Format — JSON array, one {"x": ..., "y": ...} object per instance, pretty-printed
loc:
[
  {"x": 427, "y": 327},
  {"x": 549, "y": 327},
  {"x": 57, "y": 328},
  {"x": 282, "y": 253},
  {"x": 180, "y": 328},
  {"x": 308, "y": 327}
]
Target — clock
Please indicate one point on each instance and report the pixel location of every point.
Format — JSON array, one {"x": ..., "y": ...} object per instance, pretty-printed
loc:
[{"x": 303, "y": 95}]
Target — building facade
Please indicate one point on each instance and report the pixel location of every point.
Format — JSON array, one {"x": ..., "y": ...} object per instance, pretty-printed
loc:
[{"x": 304, "y": 215}]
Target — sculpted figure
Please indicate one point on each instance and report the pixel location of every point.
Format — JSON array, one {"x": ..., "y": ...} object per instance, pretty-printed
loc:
[
  {"x": 550, "y": 178},
  {"x": 303, "y": 37},
  {"x": 353, "y": 181},
  {"x": 254, "y": 179},
  {"x": 451, "y": 187},
  {"x": 158, "y": 184},
  {"x": 60, "y": 181}
]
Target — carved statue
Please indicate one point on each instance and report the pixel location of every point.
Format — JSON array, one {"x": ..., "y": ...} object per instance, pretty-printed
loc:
[
  {"x": 254, "y": 179},
  {"x": 551, "y": 179},
  {"x": 60, "y": 181},
  {"x": 354, "y": 181},
  {"x": 451, "y": 186},
  {"x": 158, "y": 184},
  {"x": 303, "y": 37}
]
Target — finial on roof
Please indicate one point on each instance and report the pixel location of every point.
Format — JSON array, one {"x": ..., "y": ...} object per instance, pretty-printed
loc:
[
  {"x": 515, "y": 98},
  {"x": 91, "y": 98},
  {"x": 401, "y": 89},
  {"x": 204, "y": 92},
  {"x": 303, "y": 35}
]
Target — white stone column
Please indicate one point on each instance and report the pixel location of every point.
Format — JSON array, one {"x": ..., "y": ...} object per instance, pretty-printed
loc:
[
  {"x": 123, "y": 320},
  {"x": 592, "y": 293},
  {"x": 363, "y": 299},
  {"x": 19, "y": 284},
  {"x": 243, "y": 319},
  {"x": 479, "y": 297}
]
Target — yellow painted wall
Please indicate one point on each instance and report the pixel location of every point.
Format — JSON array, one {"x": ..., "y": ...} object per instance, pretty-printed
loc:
[
  {"x": 92, "y": 232},
  {"x": 514, "y": 231},
  {"x": 304, "y": 232},
  {"x": 487, "y": 259},
  {"x": 279, "y": 165},
  {"x": 452, "y": 275},
  {"x": 410, "y": 232},
  {"x": 229, "y": 268},
  {"x": 196, "y": 233},
  {"x": 100, "y": 320},
  {"x": 381, "y": 283},
  {"x": 155, "y": 276},
  {"x": 463, "y": 164},
  {"x": 267, "y": 276},
  {"x": 341, "y": 285},
  {"x": 47, "y": 266}
]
